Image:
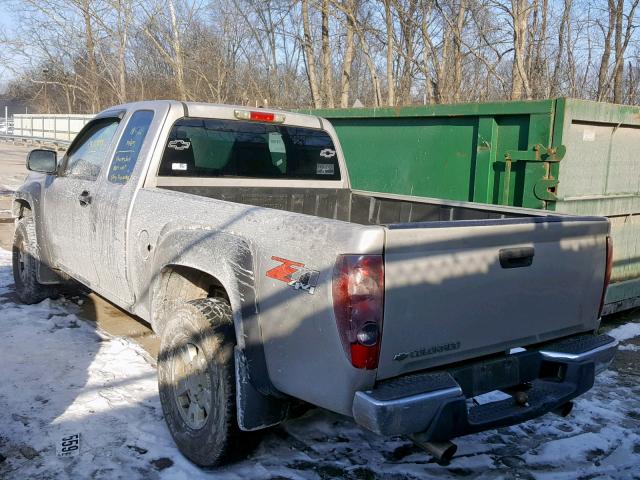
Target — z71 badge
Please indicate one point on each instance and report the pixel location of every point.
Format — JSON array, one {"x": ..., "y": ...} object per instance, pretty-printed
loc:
[{"x": 294, "y": 274}]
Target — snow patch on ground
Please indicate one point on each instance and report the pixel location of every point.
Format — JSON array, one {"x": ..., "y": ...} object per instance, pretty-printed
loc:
[
  {"x": 625, "y": 332},
  {"x": 11, "y": 184},
  {"x": 629, "y": 347},
  {"x": 59, "y": 376}
]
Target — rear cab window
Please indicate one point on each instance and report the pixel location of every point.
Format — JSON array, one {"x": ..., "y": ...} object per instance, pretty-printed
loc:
[
  {"x": 213, "y": 148},
  {"x": 128, "y": 150}
]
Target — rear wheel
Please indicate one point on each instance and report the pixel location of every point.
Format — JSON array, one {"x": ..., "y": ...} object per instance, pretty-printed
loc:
[
  {"x": 196, "y": 378},
  {"x": 25, "y": 264}
]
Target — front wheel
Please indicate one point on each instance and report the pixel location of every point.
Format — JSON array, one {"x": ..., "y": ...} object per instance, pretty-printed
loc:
[
  {"x": 196, "y": 379},
  {"x": 25, "y": 258}
]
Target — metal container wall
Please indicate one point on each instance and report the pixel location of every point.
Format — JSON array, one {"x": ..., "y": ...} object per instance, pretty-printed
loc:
[
  {"x": 600, "y": 174},
  {"x": 566, "y": 155}
]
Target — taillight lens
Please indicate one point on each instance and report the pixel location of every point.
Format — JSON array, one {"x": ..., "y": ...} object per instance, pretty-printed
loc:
[
  {"x": 358, "y": 302},
  {"x": 607, "y": 273}
]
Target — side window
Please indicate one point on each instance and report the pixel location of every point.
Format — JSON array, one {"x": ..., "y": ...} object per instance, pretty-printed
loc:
[
  {"x": 89, "y": 152},
  {"x": 126, "y": 156}
]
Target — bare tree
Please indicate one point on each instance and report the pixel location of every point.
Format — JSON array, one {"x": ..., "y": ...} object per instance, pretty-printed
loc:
[
  {"x": 391, "y": 81},
  {"x": 345, "y": 81},
  {"x": 310, "y": 56},
  {"x": 562, "y": 33},
  {"x": 622, "y": 38},
  {"x": 82, "y": 55},
  {"x": 520, "y": 81},
  {"x": 327, "y": 69},
  {"x": 457, "y": 50}
]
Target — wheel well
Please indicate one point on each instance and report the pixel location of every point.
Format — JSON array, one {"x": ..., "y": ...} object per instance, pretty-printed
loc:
[
  {"x": 179, "y": 284},
  {"x": 21, "y": 208},
  {"x": 260, "y": 406}
]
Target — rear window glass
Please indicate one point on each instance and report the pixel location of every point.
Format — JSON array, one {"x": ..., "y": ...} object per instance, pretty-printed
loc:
[
  {"x": 126, "y": 156},
  {"x": 232, "y": 148}
]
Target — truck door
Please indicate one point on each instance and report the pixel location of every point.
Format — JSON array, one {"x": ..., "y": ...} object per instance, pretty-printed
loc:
[
  {"x": 70, "y": 200},
  {"x": 118, "y": 188}
]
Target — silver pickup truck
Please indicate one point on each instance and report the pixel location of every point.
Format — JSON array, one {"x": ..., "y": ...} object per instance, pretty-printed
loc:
[{"x": 272, "y": 284}]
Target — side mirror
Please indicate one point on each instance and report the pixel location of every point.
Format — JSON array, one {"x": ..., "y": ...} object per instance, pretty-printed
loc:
[{"x": 43, "y": 161}]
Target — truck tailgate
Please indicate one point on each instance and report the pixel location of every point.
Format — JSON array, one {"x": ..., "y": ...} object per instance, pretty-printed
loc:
[{"x": 456, "y": 290}]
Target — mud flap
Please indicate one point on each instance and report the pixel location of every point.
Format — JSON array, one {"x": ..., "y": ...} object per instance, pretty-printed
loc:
[
  {"x": 46, "y": 275},
  {"x": 255, "y": 410}
]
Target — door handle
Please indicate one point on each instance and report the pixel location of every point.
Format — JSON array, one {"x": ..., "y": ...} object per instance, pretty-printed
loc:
[
  {"x": 85, "y": 198},
  {"x": 516, "y": 257}
]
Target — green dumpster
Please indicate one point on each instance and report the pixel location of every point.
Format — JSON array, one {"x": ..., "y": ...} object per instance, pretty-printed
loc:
[{"x": 566, "y": 155}]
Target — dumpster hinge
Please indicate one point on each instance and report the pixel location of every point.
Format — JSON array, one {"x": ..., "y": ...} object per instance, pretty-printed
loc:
[
  {"x": 545, "y": 189},
  {"x": 539, "y": 153}
]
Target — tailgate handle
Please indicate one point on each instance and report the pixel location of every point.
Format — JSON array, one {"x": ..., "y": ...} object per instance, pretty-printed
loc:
[{"x": 516, "y": 257}]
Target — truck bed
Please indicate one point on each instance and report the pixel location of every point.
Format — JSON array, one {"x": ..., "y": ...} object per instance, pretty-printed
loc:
[
  {"x": 364, "y": 208},
  {"x": 457, "y": 274}
]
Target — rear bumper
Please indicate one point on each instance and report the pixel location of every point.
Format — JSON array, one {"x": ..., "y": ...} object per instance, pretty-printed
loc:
[{"x": 435, "y": 403}]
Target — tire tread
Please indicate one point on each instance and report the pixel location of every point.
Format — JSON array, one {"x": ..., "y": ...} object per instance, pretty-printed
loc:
[{"x": 215, "y": 318}]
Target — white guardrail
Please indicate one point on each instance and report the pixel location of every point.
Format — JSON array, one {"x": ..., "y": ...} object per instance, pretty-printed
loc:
[
  {"x": 49, "y": 129},
  {"x": 6, "y": 126},
  {"x": 55, "y": 127}
]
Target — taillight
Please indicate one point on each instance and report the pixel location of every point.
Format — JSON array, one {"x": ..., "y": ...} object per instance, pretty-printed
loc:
[
  {"x": 607, "y": 273},
  {"x": 259, "y": 116},
  {"x": 358, "y": 302}
]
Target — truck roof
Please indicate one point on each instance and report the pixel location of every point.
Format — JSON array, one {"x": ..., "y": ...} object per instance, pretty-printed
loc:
[{"x": 213, "y": 110}]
